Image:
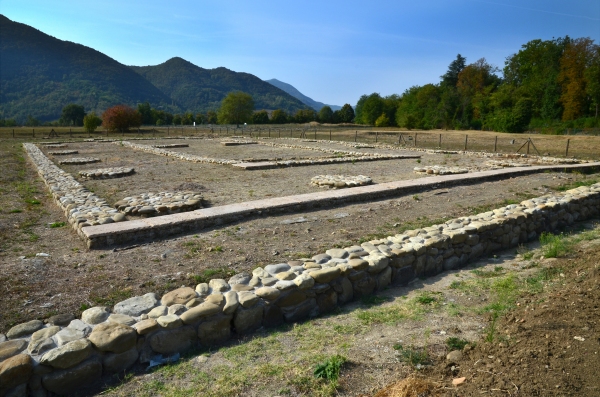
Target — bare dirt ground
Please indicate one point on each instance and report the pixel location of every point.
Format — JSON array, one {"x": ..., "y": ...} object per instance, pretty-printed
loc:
[
  {"x": 224, "y": 184},
  {"x": 73, "y": 278}
]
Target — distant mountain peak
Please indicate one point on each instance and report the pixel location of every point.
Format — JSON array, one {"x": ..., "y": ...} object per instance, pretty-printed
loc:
[{"x": 293, "y": 91}]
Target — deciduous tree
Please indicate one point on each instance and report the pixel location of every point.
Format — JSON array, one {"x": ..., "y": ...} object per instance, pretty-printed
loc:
[
  {"x": 325, "y": 114},
  {"x": 73, "y": 114},
  {"x": 91, "y": 122},
  {"x": 346, "y": 114},
  {"x": 279, "y": 116},
  {"x": 121, "y": 118},
  {"x": 260, "y": 117},
  {"x": 236, "y": 108}
]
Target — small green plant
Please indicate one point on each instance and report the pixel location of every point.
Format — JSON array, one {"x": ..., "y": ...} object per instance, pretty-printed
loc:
[
  {"x": 554, "y": 246},
  {"x": 490, "y": 331},
  {"x": 525, "y": 252},
  {"x": 15, "y": 211},
  {"x": 57, "y": 224},
  {"x": 372, "y": 300},
  {"x": 412, "y": 355},
  {"x": 419, "y": 161},
  {"x": 33, "y": 202},
  {"x": 455, "y": 343},
  {"x": 416, "y": 197},
  {"x": 425, "y": 298},
  {"x": 330, "y": 368},
  {"x": 218, "y": 248}
]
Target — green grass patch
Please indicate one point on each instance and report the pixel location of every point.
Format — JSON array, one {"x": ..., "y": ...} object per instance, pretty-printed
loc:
[
  {"x": 330, "y": 368},
  {"x": 455, "y": 343},
  {"x": 58, "y": 224},
  {"x": 498, "y": 271},
  {"x": 15, "y": 211},
  {"x": 206, "y": 275},
  {"x": 576, "y": 184},
  {"x": 373, "y": 300},
  {"x": 413, "y": 355},
  {"x": 555, "y": 246}
]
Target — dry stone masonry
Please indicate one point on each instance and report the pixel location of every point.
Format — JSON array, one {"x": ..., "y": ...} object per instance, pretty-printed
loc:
[
  {"x": 66, "y": 353},
  {"x": 180, "y": 156},
  {"x": 340, "y": 181},
  {"x": 63, "y": 152},
  {"x": 163, "y": 203},
  {"x": 440, "y": 170},
  {"x": 171, "y": 145},
  {"x": 81, "y": 207},
  {"x": 106, "y": 173},
  {"x": 79, "y": 160},
  {"x": 55, "y": 145}
]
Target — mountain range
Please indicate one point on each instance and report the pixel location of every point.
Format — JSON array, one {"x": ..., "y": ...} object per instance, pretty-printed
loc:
[
  {"x": 297, "y": 94},
  {"x": 40, "y": 74}
]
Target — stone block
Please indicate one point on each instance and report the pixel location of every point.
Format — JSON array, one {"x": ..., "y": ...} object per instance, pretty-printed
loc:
[
  {"x": 170, "y": 341},
  {"x": 70, "y": 380},
  {"x": 68, "y": 355},
  {"x": 137, "y": 305},
  {"x": 179, "y": 295},
  {"x": 247, "y": 320},
  {"x": 119, "y": 362},
  {"x": 215, "y": 330},
  {"x": 15, "y": 371},
  {"x": 113, "y": 337}
]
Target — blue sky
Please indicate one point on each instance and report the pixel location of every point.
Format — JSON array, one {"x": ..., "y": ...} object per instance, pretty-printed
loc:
[{"x": 332, "y": 51}]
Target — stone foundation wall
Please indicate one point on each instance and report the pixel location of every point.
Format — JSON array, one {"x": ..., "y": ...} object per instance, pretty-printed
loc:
[{"x": 64, "y": 354}]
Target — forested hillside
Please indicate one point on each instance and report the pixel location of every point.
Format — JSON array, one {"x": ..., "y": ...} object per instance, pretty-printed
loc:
[
  {"x": 198, "y": 90},
  {"x": 41, "y": 74},
  {"x": 293, "y": 91},
  {"x": 545, "y": 85}
]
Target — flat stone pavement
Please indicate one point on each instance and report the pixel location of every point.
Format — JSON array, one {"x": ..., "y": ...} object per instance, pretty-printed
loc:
[{"x": 161, "y": 227}]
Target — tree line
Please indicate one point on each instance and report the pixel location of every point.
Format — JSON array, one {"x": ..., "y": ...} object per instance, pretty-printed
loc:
[{"x": 547, "y": 84}]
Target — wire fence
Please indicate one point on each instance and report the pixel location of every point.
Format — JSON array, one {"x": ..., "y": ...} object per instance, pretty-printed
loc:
[{"x": 577, "y": 146}]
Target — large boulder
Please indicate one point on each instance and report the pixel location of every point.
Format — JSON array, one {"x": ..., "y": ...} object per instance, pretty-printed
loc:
[
  {"x": 113, "y": 337},
  {"x": 11, "y": 348},
  {"x": 68, "y": 355},
  {"x": 179, "y": 296},
  {"x": 137, "y": 305},
  {"x": 72, "y": 379},
  {"x": 173, "y": 341},
  {"x": 15, "y": 371},
  {"x": 118, "y": 362},
  {"x": 214, "y": 330},
  {"x": 25, "y": 329},
  {"x": 95, "y": 315}
]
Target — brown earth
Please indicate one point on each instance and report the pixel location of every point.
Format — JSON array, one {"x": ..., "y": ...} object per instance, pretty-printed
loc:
[
  {"x": 548, "y": 346},
  {"x": 73, "y": 278}
]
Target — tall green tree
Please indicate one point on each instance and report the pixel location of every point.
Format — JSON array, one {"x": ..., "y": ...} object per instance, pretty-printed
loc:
[
  {"x": 346, "y": 114},
  {"x": 73, "y": 114},
  {"x": 450, "y": 78},
  {"x": 260, "y": 117},
  {"x": 145, "y": 111},
  {"x": 91, "y": 122},
  {"x": 369, "y": 108},
  {"x": 279, "y": 116},
  {"x": 325, "y": 114},
  {"x": 236, "y": 108}
]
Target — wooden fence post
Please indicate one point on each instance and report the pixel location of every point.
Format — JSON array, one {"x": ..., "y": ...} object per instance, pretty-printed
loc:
[
  {"x": 355, "y": 135},
  {"x": 496, "y": 144},
  {"x": 466, "y": 139},
  {"x": 567, "y": 151},
  {"x": 416, "y": 133},
  {"x": 440, "y": 142}
]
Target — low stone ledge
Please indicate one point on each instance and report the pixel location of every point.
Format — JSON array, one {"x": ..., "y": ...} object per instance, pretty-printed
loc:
[
  {"x": 282, "y": 292},
  {"x": 79, "y": 160},
  {"x": 107, "y": 173}
]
